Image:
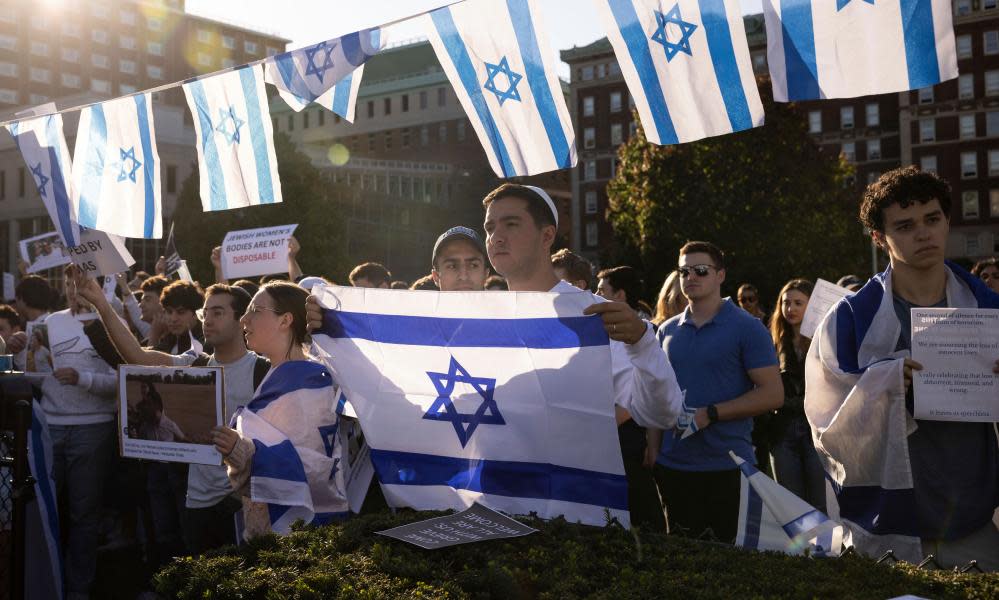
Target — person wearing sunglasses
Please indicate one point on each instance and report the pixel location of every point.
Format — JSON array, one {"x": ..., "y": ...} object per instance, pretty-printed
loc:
[
  {"x": 748, "y": 298},
  {"x": 727, "y": 367}
]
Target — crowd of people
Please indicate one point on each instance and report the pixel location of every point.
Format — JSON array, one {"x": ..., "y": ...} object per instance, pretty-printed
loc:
[{"x": 696, "y": 376}]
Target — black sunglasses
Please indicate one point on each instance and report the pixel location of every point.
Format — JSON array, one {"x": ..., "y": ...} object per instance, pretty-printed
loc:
[{"x": 699, "y": 270}]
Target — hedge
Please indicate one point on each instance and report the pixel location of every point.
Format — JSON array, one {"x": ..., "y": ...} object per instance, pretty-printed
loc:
[{"x": 561, "y": 561}]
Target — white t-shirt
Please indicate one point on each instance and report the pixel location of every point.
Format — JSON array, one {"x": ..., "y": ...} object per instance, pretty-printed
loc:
[{"x": 207, "y": 485}]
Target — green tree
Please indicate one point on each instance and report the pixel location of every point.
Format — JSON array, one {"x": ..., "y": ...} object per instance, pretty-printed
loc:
[
  {"x": 777, "y": 204},
  {"x": 306, "y": 201}
]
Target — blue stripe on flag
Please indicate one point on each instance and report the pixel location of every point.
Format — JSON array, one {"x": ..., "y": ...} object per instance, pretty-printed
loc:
[
  {"x": 216, "y": 178},
  {"x": 248, "y": 77},
  {"x": 641, "y": 56},
  {"x": 540, "y": 333},
  {"x": 289, "y": 377},
  {"x": 503, "y": 478},
  {"x": 754, "y": 515},
  {"x": 523, "y": 26},
  {"x": 148, "y": 166},
  {"x": 341, "y": 95},
  {"x": 48, "y": 507},
  {"x": 60, "y": 192},
  {"x": 715, "y": 21},
  {"x": 289, "y": 73},
  {"x": 800, "y": 67},
  {"x": 458, "y": 53},
  {"x": 806, "y": 522},
  {"x": 93, "y": 168},
  {"x": 280, "y": 461},
  {"x": 920, "y": 42},
  {"x": 747, "y": 469}
]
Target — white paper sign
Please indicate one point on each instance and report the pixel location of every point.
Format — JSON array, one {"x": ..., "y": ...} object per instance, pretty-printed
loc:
[
  {"x": 8, "y": 286},
  {"x": 252, "y": 252},
  {"x": 823, "y": 298},
  {"x": 43, "y": 252},
  {"x": 958, "y": 347},
  {"x": 100, "y": 253}
]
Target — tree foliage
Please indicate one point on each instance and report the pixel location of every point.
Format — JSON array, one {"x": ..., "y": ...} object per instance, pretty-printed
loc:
[
  {"x": 305, "y": 201},
  {"x": 777, "y": 204}
]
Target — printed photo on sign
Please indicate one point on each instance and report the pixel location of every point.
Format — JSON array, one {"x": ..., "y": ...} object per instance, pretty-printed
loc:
[
  {"x": 253, "y": 252},
  {"x": 167, "y": 413},
  {"x": 43, "y": 252},
  {"x": 38, "y": 358}
]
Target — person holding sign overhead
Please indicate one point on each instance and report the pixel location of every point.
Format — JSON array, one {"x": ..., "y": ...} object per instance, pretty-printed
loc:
[{"x": 914, "y": 486}]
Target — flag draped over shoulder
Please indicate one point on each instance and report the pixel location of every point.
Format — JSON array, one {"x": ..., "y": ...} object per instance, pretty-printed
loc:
[
  {"x": 298, "y": 463},
  {"x": 43, "y": 147},
  {"x": 497, "y": 57},
  {"x": 855, "y": 404},
  {"x": 503, "y": 399},
  {"x": 116, "y": 174},
  {"x": 235, "y": 139},
  {"x": 772, "y": 518},
  {"x": 686, "y": 64},
  {"x": 327, "y": 73},
  {"x": 848, "y": 48}
]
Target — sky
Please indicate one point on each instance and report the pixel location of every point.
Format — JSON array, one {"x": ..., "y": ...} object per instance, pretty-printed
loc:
[{"x": 568, "y": 22}]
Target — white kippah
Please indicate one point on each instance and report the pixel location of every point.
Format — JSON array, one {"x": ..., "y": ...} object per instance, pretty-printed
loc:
[{"x": 548, "y": 200}]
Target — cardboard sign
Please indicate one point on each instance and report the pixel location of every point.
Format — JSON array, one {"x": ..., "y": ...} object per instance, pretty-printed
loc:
[
  {"x": 253, "y": 252},
  {"x": 173, "y": 261},
  {"x": 100, "y": 253},
  {"x": 8, "y": 286},
  {"x": 474, "y": 524},
  {"x": 43, "y": 252},
  {"x": 823, "y": 298}
]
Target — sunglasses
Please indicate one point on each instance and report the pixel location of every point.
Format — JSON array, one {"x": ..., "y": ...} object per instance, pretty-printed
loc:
[
  {"x": 747, "y": 299},
  {"x": 699, "y": 270}
]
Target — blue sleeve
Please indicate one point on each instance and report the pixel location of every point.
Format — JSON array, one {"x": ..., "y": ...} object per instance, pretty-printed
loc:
[{"x": 757, "y": 347}]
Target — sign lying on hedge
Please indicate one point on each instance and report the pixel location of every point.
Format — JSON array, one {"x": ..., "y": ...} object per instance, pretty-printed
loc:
[{"x": 474, "y": 524}]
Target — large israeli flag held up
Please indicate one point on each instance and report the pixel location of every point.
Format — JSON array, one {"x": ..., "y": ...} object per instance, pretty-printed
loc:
[
  {"x": 116, "y": 174},
  {"x": 687, "y": 66},
  {"x": 497, "y": 57},
  {"x": 503, "y": 399},
  {"x": 327, "y": 73},
  {"x": 43, "y": 147},
  {"x": 235, "y": 139},
  {"x": 848, "y": 48},
  {"x": 772, "y": 518}
]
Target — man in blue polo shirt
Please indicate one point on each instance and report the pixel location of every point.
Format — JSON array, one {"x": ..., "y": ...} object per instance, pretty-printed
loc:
[{"x": 727, "y": 367}]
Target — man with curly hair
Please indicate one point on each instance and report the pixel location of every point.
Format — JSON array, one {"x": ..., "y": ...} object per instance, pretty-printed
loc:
[{"x": 914, "y": 486}]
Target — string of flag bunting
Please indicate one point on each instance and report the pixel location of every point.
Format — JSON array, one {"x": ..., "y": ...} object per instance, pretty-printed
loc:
[{"x": 686, "y": 64}]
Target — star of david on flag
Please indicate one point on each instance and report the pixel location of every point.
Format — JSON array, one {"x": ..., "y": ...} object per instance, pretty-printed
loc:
[
  {"x": 43, "y": 148},
  {"x": 328, "y": 73},
  {"x": 235, "y": 139},
  {"x": 503, "y": 399},
  {"x": 497, "y": 58},
  {"x": 844, "y": 49},
  {"x": 116, "y": 172},
  {"x": 686, "y": 64}
]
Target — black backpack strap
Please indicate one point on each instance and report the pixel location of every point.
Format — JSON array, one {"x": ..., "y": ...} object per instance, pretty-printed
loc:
[{"x": 260, "y": 369}]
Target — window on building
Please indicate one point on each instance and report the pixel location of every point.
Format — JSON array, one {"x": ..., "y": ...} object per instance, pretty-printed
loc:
[
  {"x": 971, "y": 245},
  {"x": 963, "y": 46},
  {"x": 404, "y": 141},
  {"x": 39, "y": 48},
  {"x": 101, "y": 86},
  {"x": 873, "y": 149},
  {"x": 849, "y": 151},
  {"x": 101, "y": 11},
  {"x": 126, "y": 17},
  {"x": 441, "y": 96},
  {"x": 991, "y": 42},
  {"x": 601, "y": 71},
  {"x": 615, "y": 102},
  {"x": 969, "y": 204},
  {"x": 586, "y": 73},
  {"x": 271, "y": 51},
  {"x": 590, "y": 200},
  {"x": 589, "y": 138},
  {"x": 305, "y": 119},
  {"x": 404, "y": 103},
  {"x": 99, "y": 60},
  {"x": 926, "y": 95},
  {"x": 8, "y": 96},
  {"x": 228, "y": 63},
  {"x": 8, "y": 42},
  {"x": 388, "y": 143},
  {"x": 291, "y": 122},
  {"x": 154, "y": 48},
  {"x": 321, "y": 116},
  {"x": 71, "y": 81},
  {"x": 424, "y": 135},
  {"x": 617, "y": 134},
  {"x": 423, "y": 100},
  {"x": 99, "y": 36},
  {"x": 37, "y": 98},
  {"x": 962, "y": 7},
  {"x": 250, "y": 47},
  {"x": 928, "y": 163},
  {"x": 38, "y": 21},
  {"x": 371, "y": 109},
  {"x": 589, "y": 104},
  {"x": 70, "y": 55},
  {"x": 127, "y": 66},
  {"x": 988, "y": 4},
  {"x": 8, "y": 69},
  {"x": 154, "y": 23},
  {"x": 815, "y": 121},
  {"x": 872, "y": 176},
  {"x": 204, "y": 59},
  {"x": 994, "y": 206},
  {"x": 592, "y": 233},
  {"x": 39, "y": 75},
  {"x": 154, "y": 72},
  {"x": 992, "y": 83},
  {"x": 927, "y": 130},
  {"x": 20, "y": 182},
  {"x": 969, "y": 165},
  {"x": 461, "y": 130},
  {"x": 872, "y": 114},
  {"x": 993, "y": 162},
  {"x": 589, "y": 170},
  {"x": 71, "y": 29},
  {"x": 846, "y": 117},
  {"x": 615, "y": 69},
  {"x": 126, "y": 42},
  {"x": 228, "y": 42},
  {"x": 992, "y": 123},
  {"x": 3, "y": 185},
  {"x": 204, "y": 36},
  {"x": 966, "y": 86}
]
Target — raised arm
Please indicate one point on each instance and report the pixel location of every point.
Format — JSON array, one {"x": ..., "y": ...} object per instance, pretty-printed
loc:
[{"x": 294, "y": 270}]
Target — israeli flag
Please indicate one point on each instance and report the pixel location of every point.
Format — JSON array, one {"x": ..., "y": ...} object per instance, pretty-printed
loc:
[
  {"x": 44, "y": 568},
  {"x": 43, "y": 147},
  {"x": 235, "y": 139},
  {"x": 298, "y": 465},
  {"x": 327, "y": 73},
  {"x": 501, "y": 399},
  {"x": 848, "y": 48},
  {"x": 687, "y": 66},
  {"x": 497, "y": 57},
  {"x": 772, "y": 518},
  {"x": 116, "y": 175}
]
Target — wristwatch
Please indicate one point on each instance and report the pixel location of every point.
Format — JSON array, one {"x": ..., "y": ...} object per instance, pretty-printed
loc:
[{"x": 712, "y": 414}]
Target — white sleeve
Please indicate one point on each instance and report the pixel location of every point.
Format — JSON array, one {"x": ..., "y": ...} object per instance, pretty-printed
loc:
[
  {"x": 135, "y": 316},
  {"x": 99, "y": 384},
  {"x": 644, "y": 382}
]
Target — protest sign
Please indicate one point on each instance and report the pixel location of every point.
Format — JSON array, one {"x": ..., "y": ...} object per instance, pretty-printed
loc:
[
  {"x": 167, "y": 413},
  {"x": 253, "y": 252},
  {"x": 8, "y": 286},
  {"x": 823, "y": 298},
  {"x": 100, "y": 253},
  {"x": 474, "y": 524},
  {"x": 43, "y": 252},
  {"x": 957, "y": 348},
  {"x": 170, "y": 254}
]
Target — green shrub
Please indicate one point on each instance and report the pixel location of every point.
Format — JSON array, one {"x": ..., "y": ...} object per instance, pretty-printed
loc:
[{"x": 561, "y": 561}]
